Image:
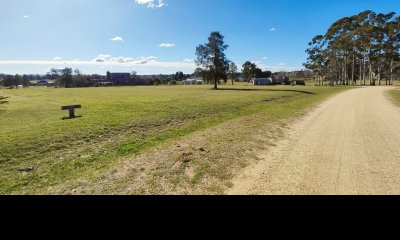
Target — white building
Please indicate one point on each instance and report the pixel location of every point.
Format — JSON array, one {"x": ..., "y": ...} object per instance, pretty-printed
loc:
[{"x": 192, "y": 81}]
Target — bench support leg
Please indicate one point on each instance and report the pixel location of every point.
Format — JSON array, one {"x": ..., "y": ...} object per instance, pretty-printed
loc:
[{"x": 71, "y": 113}]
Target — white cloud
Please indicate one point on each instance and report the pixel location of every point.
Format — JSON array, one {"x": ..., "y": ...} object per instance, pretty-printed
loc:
[
  {"x": 57, "y": 58},
  {"x": 188, "y": 60},
  {"x": 106, "y": 58},
  {"x": 122, "y": 59},
  {"x": 272, "y": 29},
  {"x": 101, "y": 58},
  {"x": 117, "y": 39},
  {"x": 104, "y": 55},
  {"x": 167, "y": 45},
  {"x": 265, "y": 58},
  {"x": 99, "y": 67},
  {"x": 279, "y": 67},
  {"x": 25, "y": 16},
  {"x": 142, "y": 65},
  {"x": 150, "y": 58},
  {"x": 152, "y": 3}
]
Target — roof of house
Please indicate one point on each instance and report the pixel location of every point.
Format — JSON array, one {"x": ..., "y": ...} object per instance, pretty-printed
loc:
[{"x": 120, "y": 73}]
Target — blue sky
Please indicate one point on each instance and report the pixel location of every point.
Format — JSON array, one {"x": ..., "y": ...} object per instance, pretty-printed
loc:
[{"x": 160, "y": 36}]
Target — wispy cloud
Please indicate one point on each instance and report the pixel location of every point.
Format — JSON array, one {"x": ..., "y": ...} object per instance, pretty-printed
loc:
[
  {"x": 265, "y": 58},
  {"x": 150, "y": 58},
  {"x": 122, "y": 59},
  {"x": 57, "y": 58},
  {"x": 152, "y": 3},
  {"x": 25, "y": 16},
  {"x": 272, "y": 29},
  {"x": 104, "y": 55},
  {"x": 101, "y": 58},
  {"x": 117, "y": 39},
  {"x": 106, "y": 58},
  {"x": 142, "y": 65},
  {"x": 167, "y": 45},
  {"x": 279, "y": 67},
  {"x": 187, "y": 60}
]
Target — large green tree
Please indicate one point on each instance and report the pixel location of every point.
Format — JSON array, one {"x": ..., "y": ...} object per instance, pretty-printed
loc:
[
  {"x": 25, "y": 81},
  {"x": 9, "y": 81},
  {"x": 233, "y": 72},
  {"x": 17, "y": 80},
  {"x": 212, "y": 58},
  {"x": 249, "y": 70},
  {"x": 364, "y": 46},
  {"x": 316, "y": 60},
  {"x": 179, "y": 76},
  {"x": 80, "y": 80}
]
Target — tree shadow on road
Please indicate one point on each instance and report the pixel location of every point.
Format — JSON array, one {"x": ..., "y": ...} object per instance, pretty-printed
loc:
[{"x": 264, "y": 90}]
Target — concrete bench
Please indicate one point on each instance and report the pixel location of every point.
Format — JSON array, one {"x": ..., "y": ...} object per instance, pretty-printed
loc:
[{"x": 71, "y": 109}]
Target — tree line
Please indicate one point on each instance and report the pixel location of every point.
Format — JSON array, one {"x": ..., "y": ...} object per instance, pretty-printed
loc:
[
  {"x": 13, "y": 81},
  {"x": 66, "y": 77},
  {"x": 361, "y": 48}
]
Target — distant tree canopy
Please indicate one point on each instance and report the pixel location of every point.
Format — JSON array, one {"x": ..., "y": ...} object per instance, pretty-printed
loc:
[
  {"x": 250, "y": 71},
  {"x": 212, "y": 58},
  {"x": 204, "y": 74},
  {"x": 10, "y": 81},
  {"x": 233, "y": 72},
  {"x": 14, "y": 81},
  {"x": 69, "y": 78},
  {"x": 364, "y": 46},
  {"x": 25, "y": 80},
  {"x": 179, "y": 76}
]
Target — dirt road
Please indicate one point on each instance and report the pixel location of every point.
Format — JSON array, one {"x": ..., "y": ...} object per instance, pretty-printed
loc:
[{"x": 348, "y": 145}]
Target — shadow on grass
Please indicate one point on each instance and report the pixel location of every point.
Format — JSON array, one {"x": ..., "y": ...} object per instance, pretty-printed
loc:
[
  {"x": 68, "y": 118},
  {"x": 2, "y": 101},
  {"x": 263, "y": 90}
]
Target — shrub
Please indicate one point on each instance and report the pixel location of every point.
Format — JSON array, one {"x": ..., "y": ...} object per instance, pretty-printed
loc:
[
  {"x": 157, "y": 81},
  {"x": 104, "y": 84},
  {"x": 301, "y": 82},
  {"x": 298, "y": 83}
]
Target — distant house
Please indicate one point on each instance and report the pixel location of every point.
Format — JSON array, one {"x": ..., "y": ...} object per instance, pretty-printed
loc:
[
  {"x": 192, "y": 81},
  {"x": 281, "y": 81},
  {"x": 42, "y": 83},
  {"x": 120, "y": 79},
  {"x": 262, "y": 81},
  {"x": 126, "y": 79}
]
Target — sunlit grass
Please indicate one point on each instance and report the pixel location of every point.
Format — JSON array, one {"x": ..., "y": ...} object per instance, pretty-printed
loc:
[{"x": 39, "y": 150}]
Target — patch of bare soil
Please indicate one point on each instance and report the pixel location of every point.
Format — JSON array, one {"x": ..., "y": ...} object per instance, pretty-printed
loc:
[{"x": 202, "y": 163}]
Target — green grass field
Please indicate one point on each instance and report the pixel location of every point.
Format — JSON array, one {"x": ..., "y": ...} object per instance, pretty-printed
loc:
[
  {"x": 42, "y": 154},
  {"x": 394, "y": 95}
]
